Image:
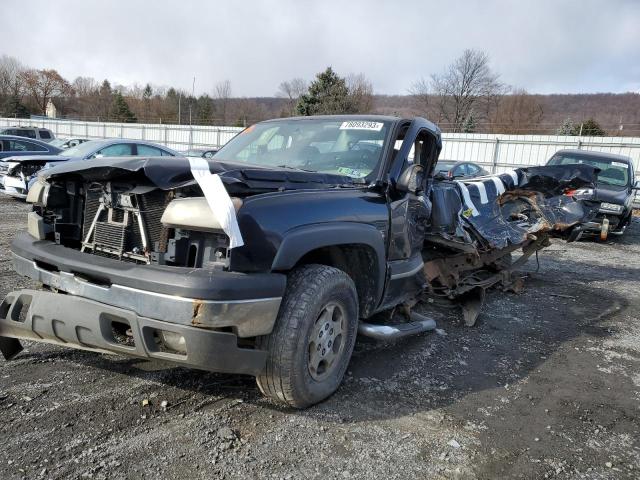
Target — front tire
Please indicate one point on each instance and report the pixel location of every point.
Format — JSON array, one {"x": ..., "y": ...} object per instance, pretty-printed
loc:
[{"x": 313, "y": 338}]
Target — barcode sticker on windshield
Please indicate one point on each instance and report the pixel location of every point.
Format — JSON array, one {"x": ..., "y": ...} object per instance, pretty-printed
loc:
[
  {"x": 619, "y": 164},
  {"x": 361, "y": 125}
]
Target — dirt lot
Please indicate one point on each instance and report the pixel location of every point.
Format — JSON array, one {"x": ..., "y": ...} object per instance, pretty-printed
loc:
[{"x": 547, "y": 385}]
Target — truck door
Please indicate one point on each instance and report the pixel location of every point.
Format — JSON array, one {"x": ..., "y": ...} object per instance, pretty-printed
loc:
[{"x": 410, "y": 212}]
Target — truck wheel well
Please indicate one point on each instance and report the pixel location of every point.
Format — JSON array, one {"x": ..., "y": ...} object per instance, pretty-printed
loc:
[{"x": 356, "y": 260}]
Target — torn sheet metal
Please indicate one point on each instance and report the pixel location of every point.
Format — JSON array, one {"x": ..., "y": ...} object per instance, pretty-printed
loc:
[
  {"x": 218, "y": 199},
  {"x": 502, "y": 210}
]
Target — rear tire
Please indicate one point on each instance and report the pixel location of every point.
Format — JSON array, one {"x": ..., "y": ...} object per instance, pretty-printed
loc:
[{"x": 313, "y": 338}]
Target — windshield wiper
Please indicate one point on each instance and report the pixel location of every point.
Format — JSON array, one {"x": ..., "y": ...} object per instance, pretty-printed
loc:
[{"x": 296, "y": 168}]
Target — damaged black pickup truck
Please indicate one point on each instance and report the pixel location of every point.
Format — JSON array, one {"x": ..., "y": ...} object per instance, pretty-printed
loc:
[{"x": 271, "y": 257}]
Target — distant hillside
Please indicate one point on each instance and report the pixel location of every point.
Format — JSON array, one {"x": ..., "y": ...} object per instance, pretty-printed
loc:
[{"x": 608, "y": 109}]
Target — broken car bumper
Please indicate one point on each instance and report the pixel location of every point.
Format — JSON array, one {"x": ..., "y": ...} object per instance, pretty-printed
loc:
[
  {"x": 77, "y": 322},
  {"x": 194, "y": 303},
  {"x": 597, "y": 223},
  {"x": 13, "y": 186}
]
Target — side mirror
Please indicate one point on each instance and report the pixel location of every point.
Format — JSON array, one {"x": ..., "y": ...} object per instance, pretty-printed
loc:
[
  {"x": 636, "y": 185},
  {"x": 412, "y": 179}
]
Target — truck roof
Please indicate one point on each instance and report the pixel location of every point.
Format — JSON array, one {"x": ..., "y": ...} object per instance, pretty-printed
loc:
[
  {"x": 388, "y": 118},
  {"x": 591, "y": 153}
]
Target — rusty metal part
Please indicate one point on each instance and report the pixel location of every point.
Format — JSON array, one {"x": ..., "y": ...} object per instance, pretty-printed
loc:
[
  {"x": 604, "y": 229},
  {"x": 471, "y": 303},
  {"x": 456, "y": 277}
]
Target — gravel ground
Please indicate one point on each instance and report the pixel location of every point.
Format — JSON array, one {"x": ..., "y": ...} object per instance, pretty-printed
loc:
[{"x": 547, "y": 385}]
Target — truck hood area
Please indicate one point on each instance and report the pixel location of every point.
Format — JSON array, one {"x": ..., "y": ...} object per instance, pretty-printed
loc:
[{"x": 169, "y": 173}]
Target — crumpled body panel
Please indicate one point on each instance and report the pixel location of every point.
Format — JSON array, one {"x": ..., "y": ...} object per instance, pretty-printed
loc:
[{"x": 502, "y": 210}]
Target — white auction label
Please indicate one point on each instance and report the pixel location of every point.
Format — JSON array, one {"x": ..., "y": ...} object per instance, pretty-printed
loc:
[{"x": 361, "y": 125}]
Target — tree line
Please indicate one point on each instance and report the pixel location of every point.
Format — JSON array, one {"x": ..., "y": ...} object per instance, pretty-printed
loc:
[{"x": 467, "y": 96}]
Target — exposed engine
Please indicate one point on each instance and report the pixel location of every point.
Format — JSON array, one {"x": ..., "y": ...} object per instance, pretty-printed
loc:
[{"x": 124, "y": 221}]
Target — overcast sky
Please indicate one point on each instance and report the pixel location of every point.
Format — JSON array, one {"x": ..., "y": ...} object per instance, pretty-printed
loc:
[{"x": 545, "y": 46}]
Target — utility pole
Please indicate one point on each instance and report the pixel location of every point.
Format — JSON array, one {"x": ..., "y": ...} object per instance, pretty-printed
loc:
[
  {"x": 193, "y": 89},
  {"x": 179, "y": 112}
]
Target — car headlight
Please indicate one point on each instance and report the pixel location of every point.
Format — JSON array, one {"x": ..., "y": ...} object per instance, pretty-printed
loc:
[
  {"x": 193, "y": 213},
  {"x": 610, "y": 207}
]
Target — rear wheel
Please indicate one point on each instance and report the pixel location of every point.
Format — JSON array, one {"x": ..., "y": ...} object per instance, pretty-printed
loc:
[{"x": 313, "y": 338}]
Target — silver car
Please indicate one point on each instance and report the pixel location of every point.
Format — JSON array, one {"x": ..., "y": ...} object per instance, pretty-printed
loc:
[
  {"x": 17, "y": 173},
  {"x": 36, "y": 133}
]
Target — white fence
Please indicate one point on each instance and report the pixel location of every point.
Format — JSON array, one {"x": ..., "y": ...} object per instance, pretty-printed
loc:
[
  {"x": 178, "y": 137},
  {"x": 496, "y": 153}
]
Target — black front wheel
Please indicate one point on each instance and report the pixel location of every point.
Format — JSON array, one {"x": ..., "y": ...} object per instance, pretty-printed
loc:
[{"x": 313, "y": 338}]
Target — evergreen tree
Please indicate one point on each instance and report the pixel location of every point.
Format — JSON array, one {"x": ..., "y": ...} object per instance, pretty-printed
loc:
[
  {"x": 328, "y": 94},
  {"x": 566, "y": 128},
  {"x": 105, "y": 88},
  {"x": 120, "y": 109},
  {"x": 146, "y": 98},
  {"x": 469, "y": 125},
  {"x": 590, "y": 128},
  {"x": 147, "y": 92},
  {"x": 13, "y": 107},
  {"x": 204, "y": 107}
]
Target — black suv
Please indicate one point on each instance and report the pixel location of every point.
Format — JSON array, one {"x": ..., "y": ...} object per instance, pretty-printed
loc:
[{"x": 613, "y": 193}]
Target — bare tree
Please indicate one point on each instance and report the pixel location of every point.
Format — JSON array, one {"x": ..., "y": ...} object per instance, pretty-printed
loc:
[
  {"x": 223, "y": 94},
  {"x": 85, "y": 86},
  {"x": 421, "y": 90},
  {"x": 11, "y": 77},
  {"x": 42, "y": 85},
  {"x": 292, "y": 90},
  {"x": 360, "y": 93},
  {"x": 467, "y": 83},
  {"x": 516, "y": 113}
]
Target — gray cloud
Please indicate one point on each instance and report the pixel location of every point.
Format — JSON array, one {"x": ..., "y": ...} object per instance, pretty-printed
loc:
[{"x": 544, "y": 46}]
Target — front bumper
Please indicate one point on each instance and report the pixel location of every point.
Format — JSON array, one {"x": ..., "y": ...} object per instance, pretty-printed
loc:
[
  {"x": 611, "y": 220},
  {"x": 246, "y": 317},
  {"x": 77, "y": 322},
  {"x": 13, "y": 186},
  {"x": 95, "y": 291}
]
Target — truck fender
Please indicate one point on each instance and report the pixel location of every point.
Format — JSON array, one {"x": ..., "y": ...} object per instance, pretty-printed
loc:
[{"x": 302, "y": 240}]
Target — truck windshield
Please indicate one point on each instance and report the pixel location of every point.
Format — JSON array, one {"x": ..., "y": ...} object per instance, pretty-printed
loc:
[
  {"x": 345, "y": 147},
  {"x": 612, "y": 172}
]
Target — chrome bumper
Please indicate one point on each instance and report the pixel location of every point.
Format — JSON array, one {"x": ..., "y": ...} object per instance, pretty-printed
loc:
[
  {"x": 76, "y": 322},
  {"x": 247, "y": 318}
]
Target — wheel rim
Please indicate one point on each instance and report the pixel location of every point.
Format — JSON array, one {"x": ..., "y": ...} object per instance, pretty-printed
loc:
[{"x": 326, "y": 342}]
